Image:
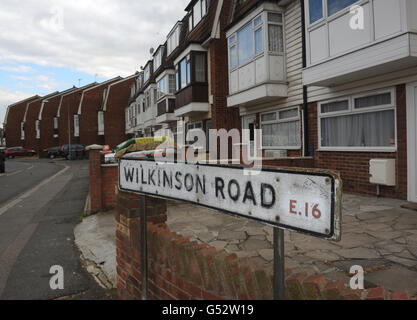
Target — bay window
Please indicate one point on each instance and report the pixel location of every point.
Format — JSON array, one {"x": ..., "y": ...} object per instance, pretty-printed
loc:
[
  {"x": 191, "y": 69},
  {"x": 281, "y": 129},
  {"x": 166, "y": 85},
  {"x": 248, "y": 42},
  {"x": 362, "y": 123}
]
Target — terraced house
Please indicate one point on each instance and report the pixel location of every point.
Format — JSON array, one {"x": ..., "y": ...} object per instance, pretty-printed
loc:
[
  {"x": 185, "y": 80},
  {"x": 361, "y": 73}
]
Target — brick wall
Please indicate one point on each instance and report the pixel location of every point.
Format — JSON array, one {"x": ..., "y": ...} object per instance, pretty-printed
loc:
[
  {"x": 114, "y": 117},
  {"x": 222, "y": 116},
  {"x": 183, "y": 270},
  {"x": 69, "y": 108},
  {"x": 354, "y": 166},
  {"x": 14, "y": 120},
  {"x": 103, "y": 182},
  {"x": 50, "y": 111},
  {"x": 30, "y": 126}
]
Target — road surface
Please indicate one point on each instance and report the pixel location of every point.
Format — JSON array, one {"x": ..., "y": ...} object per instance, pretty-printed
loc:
[{"x": 41, "y": 202}]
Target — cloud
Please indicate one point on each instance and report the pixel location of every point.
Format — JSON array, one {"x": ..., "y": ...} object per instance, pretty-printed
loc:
[
  {"x": 7, "y": 97},
  {"x": 17, "y": 69},
  {"x": 104, "y": 37}
]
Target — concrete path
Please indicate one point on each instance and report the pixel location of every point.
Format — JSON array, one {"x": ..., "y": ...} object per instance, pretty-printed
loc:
[
  {"x": 96, "y": 239},
  {"x": 377, "y": 234}
]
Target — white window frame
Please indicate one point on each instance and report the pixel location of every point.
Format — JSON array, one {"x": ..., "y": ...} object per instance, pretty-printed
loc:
[
  {"x": 38, "y": 129},
  {"x": 325, "y": 17},
  {"x": 352, "y": 110},
  {"x": 166, "y": 77},
  {"x": 147, "y": 73},
  {"x": 278, "y": 120},
  {"x": 76, "y": 125},
  {"x": 100, "y": 119},
  {"x": 265, "y": 38},
  {"x": 22, "y": 130},
  {"x": 202, "y": 6},
  {"x": 157, "y": 59},
  {"x": 173, "y": 39}
]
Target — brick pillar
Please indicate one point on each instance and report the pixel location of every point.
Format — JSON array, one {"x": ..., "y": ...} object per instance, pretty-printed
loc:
[
  {"x": 128, "y": 240},
  {"x": 96, "y": 194}
]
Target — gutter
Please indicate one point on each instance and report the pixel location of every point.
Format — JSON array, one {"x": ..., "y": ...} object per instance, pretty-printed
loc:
[{"x": 305, "y": 91}]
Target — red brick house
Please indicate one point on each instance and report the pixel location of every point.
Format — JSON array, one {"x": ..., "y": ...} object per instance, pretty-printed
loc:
[
  {"x": 13, "y": 123},
  {"x": 113, "y": 111},
  {"x": 32, "y": 123},
  {"x": 48, "y": 120},
  {"x": 91, "y": 103},
  {"x": 68, "y": 117}
]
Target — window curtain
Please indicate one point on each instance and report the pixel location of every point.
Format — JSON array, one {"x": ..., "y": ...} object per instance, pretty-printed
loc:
[
  {"x": 375, "y": 129},
  {"x": 276, "y": 42},
  {"x": 286, "y": 134},
  {"x": 200, "y": 67}
]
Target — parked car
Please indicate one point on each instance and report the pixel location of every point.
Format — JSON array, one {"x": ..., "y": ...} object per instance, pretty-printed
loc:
[
  {"x": 2, "y": 160},
  {"x": 19, "y": 152},
  {"x": 53, "y": 152},
  {"x": 73, "y": 151}
]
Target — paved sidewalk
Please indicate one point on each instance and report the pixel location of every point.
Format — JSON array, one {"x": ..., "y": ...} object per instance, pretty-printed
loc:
[
  {"x": 96, "y": 239},
  {"x": 376, "y": 233}
]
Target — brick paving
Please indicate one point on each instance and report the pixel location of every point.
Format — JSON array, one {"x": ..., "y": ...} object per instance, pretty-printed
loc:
[{"x": 377, "y": 234}]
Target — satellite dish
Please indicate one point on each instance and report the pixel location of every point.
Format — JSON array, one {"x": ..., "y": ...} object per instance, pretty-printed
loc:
[{"x": 151, "y": 50}]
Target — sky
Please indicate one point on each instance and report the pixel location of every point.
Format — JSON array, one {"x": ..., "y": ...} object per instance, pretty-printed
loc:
[{"x": 52, "y": 45}]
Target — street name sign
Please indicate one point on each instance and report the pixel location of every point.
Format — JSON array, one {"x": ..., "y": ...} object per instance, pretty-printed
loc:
[{"x": 307, "y": 201}]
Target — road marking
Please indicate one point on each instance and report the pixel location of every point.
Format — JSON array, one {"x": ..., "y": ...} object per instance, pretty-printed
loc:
[
  {"x": 27, "y": 194},
  {"x": 13, "y": 173},
  {"x": 30, "y": 168}
]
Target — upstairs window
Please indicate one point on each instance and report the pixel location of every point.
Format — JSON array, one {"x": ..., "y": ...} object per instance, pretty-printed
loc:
[
  {"x": 38, "y": 129},
  {"x": 193, "y": 68},
  {"x": 157, "y": 60},
  {"x": 173, "y": 39},
  {"x": 147, "y": 73},
  {"x": 76, "y": 125},
  {"x": 166, "y": 85},
  {"x": 248, "y": 42},
  {"x": 197, "y": 13},
  {"x": 317, "y": 11},
  {"x": 101, "y": 123}
]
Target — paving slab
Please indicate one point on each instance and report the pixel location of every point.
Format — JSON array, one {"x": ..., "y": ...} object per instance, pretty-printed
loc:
[{"x": 375, "y": 232}]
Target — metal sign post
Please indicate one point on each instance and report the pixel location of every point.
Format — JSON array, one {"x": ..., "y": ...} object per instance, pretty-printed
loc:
[
  {"x": 279, "y": 264},
  {"x": 144, "y": 248}
]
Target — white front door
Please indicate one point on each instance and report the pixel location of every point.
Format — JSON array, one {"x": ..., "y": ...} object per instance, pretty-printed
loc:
[{"x": 412, "y": 140}]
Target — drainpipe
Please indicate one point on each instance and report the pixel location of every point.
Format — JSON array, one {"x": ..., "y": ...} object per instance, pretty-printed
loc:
[{"x": 305, "y": 92}]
